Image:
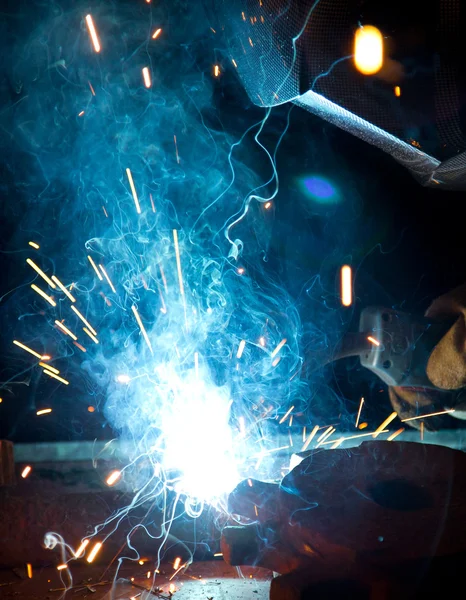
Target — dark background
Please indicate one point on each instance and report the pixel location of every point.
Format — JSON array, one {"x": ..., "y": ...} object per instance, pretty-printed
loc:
[{"x": 406, "y": 242}]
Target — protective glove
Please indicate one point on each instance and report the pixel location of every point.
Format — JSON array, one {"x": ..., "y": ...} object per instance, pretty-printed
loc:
[
  {"x": 371, "y": 513},
  {"x": 446, "y": 369}
]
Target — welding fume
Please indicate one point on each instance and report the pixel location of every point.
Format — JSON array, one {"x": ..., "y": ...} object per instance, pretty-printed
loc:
[
  {"x": 347, "y": 523},
  {"x": 230, "y": 327}
]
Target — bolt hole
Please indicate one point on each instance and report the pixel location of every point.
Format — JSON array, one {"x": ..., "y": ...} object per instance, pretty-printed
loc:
[{"x": 387, "y": 364}]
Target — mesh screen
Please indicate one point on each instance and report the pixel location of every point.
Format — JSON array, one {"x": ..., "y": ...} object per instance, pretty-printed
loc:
[{"x": 286, "y": 48}]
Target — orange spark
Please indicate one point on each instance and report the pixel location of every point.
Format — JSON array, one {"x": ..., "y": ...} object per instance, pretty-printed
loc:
[
  {"x": 113, "y": 478},
  {"x": 93, "y": 33},
  {"x": 156, "y": 33},
  {"x": 25, "y": 472},
  {"x": 346, "y": 285},
  {"x": 34, "y": 245},
  {"x": 373, "y": 340},
  {"x": 44, "y": 411},
  {"x": 133, "y": 191},
  {"x": 284, "y": 418},
  {"x": 359, "y": 412},
  {"x": 382, "y": 426},
  {"x": 434, "y": 414},
  {"x": 63, "y": 289},
  {"x": 396, "y": 434},
  {"x": 93, "y": 552},
  {"x": 146, "y": 77}
]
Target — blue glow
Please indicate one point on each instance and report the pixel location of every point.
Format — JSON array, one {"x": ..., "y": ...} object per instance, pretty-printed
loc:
[{"x": 321, "y": 189}]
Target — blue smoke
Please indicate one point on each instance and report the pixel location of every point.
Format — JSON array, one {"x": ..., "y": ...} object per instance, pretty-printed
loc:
[{"x": 188, "y": 402}]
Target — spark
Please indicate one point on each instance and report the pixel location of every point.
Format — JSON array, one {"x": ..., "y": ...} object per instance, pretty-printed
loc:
[
  {"x": 91, "y": 88},
  {"x": 242, "y": 426},
  {"x": 176, "y": 148},
  {"x": 91, "y": 335},
  {"x": 267, "y": 205},
  {"x": 278, "y": 348},
  {"x": 422, "y": 431},
  {"x": 63, "y": 289},
  {"x": 256, "y": 511},
  {"x": 285, "y": 417},
  {"x": 396, "y": 434},
  {"x": 93, "y": 33},
  {"x": 373, "y": 340},
  {"x": 240, "y": 270},
  {"x": 86, "y": 323},
  {"x": 346, "y": 291},
  {"x": 93, "y": 552},
  {"x": 156, "y": 33},
  {"x": 29, "y": 570},
  {"x": 304, "y": 433},
  {"x": 44, "y": 295},
  {"x": 291, "y": 421},
  {"x": 49, "y": 368},
  {"x": 80, "y": 347},
  {"x": 107, "y": 278},
  {"x": 327, "y": 434},
  {"x": 250, "y": 43},
  {"x": 368, "y": 50},
  {"x": 359, "y": 413},
  {"x": 382, "y": 426},
  {"x": 362, "y": 426},
  {"x": 105, "y": 212},
  {"x": 65, "y": 330},
  {"x": 216, "y": 71},
  {"x": 30, "y": 350},
  {"x": 177, "y": 563},
  {"x": 81, "y": 113},
  {"x": 241, "y": 347},
  {"x": 434, "y": 414},
  {"x": 336, "y": 444},
  {"x": 213, "y": 30},
  {"x": 218, "y": 554},
  {"x": 113, "y": 478},
  {"x": 25, "y": 472},
  {"x": 40, "y": 272},
  {"x": 44, "y": 411},
  {"x": 276, "y": 361},
  {"x": 355, "y": 437},
  {"x": 80, "y": 551},
  {"x": 397, "y": 91},
  {"x": 164, "y": 279},
  {"x": 262, "y": 341},
  {"x": 57, "y": 377},
  {"x": 133, "y": 191},
  {"x": 91, "y": 409},
  {"x": 146, "y": 77},
  {"x": 148, "y": 575},
  {"x": 34, "y": 245},
  {"x": 244, "y": 16},
  {"x": 172, "y": 588},
  {"x": 178, "y": 261},
  {"x": 141, "y": 327},
  {"x": 310, "y": 438},
  {"x": 61, "y": 567},
  {"x": 94, "y": 266},
  {"x": 234, "y": 63},
  {"x": 123, "y": 378},
  {"x": 152, "y": 203}
]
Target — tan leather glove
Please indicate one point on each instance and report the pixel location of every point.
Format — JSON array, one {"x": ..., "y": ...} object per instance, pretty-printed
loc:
[{"x": 446, "y": 368}]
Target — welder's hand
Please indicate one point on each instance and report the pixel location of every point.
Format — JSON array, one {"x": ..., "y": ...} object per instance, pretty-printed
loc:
[{"x": 446, "y": 368}]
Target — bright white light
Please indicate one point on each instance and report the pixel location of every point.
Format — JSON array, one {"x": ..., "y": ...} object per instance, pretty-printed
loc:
[
  {"x": 198, "y": 441},
  {"x": 123, "y": 378}
]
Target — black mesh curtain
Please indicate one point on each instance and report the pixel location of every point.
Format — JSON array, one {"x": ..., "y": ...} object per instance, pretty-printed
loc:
[{"x": 301, "y": 51}]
